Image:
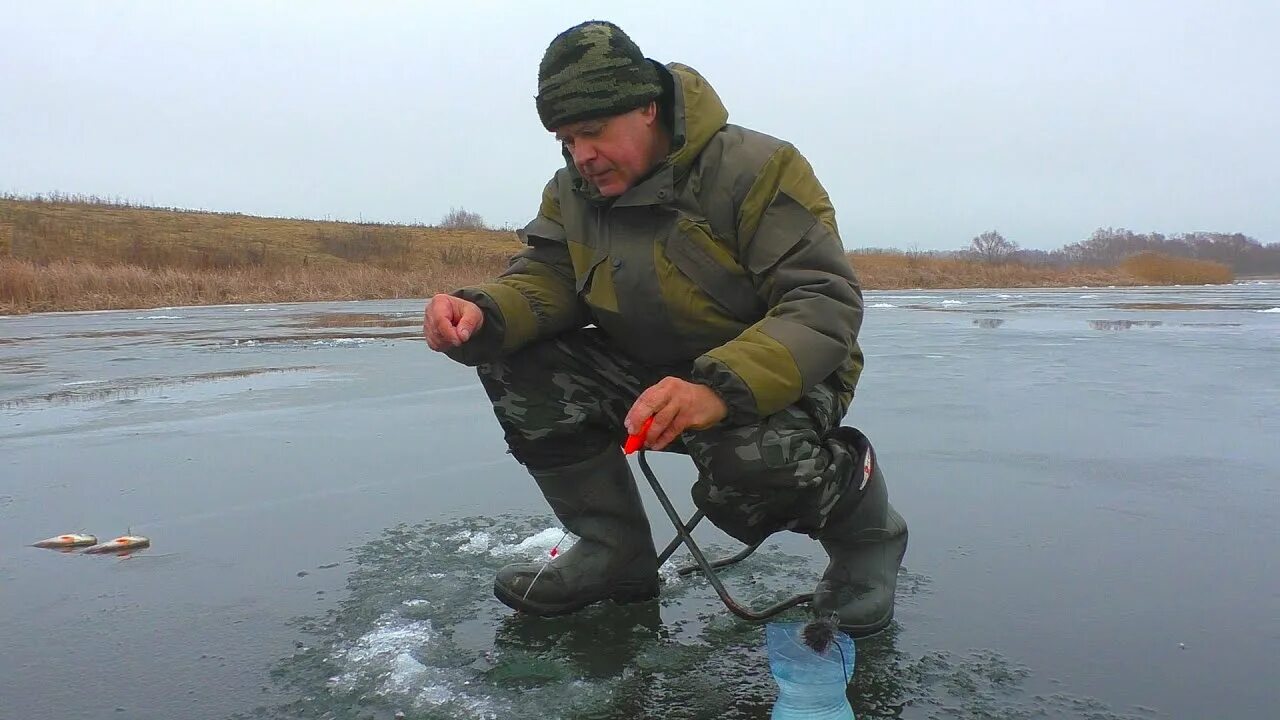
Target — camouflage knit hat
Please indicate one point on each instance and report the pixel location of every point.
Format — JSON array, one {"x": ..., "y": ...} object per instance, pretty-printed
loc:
[{"x": 593, "y": 70}]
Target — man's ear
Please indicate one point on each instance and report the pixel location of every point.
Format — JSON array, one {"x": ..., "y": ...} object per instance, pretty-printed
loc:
[{"x": 650, "y": 113}]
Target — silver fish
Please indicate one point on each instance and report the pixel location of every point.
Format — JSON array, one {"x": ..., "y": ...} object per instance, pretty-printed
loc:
[
  {"x": 70, "y": 540},
  {"x": 120, "y": 544}
]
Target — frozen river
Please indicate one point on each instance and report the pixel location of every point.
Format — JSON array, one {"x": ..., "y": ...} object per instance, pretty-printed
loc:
[{"x": 1091, "y": 476}]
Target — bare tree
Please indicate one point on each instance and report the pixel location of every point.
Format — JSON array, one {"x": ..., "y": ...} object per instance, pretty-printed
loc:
[
  {"x": 992, "y": 247},
  {"x": 462, "y": 219}
]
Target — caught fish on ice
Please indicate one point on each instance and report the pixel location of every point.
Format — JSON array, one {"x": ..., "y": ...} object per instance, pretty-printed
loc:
[
  {"x": 70, "y": 540},
  {"x": 120, "y": 544}
]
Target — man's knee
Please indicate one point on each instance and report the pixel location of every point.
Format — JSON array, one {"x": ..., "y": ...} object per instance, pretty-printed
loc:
[
  {"x": 747, "y": 515},
  {"x": 761, "y": 461},
  {"x": 549, "y": 413},
  {"x": 755, "y": 482},
  {"x": 742, "y": 495}
]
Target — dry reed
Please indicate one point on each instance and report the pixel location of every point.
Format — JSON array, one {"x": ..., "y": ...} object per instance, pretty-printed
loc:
[
  {"x": 884, "y": 271},
  {"x": 68, "y": 285},
  {"x": 68, "y": 255},
  {"x": 1158, "y": 269}
]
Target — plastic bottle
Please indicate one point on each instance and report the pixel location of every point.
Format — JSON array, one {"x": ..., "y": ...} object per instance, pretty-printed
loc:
[{"x": 810, "y": 686}]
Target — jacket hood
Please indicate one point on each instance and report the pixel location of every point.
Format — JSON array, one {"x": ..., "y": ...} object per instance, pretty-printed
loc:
[{"x": 697, "y": 114}]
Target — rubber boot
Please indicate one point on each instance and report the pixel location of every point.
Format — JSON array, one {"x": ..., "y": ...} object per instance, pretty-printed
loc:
[
  {"x": 866, "y": 540},
  {"x": 614, "y": 558}
]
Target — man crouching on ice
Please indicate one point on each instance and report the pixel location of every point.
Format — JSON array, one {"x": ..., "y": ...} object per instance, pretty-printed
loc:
[{"x": 707, "y": 258}]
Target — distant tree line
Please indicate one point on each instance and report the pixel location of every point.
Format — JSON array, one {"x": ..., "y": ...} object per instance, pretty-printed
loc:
[
  {"x": 1240, "y": 252},
  {"x": 1108, "y": 247}
]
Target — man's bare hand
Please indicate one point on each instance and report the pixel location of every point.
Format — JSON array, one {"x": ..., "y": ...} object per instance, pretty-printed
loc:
[
  {"x": 449, "y": 321},
  {"x": 675, "y": 406}
]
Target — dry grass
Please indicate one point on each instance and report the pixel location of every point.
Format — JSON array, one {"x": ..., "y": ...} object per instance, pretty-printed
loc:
[
  {"x": 886, "y": 271},
  {"x": 93, "y": 256},
  {"x": 1158, "y": 269},
  {"x": 96, "y": 256},
  {"x": 66, "y": 285},
  {"x": 45, "y": 232}
]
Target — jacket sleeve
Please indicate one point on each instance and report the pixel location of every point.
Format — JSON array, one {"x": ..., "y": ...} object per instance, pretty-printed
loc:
[
  {"x": 789, "y": 243},
  {"x": 533, "y": 299}
]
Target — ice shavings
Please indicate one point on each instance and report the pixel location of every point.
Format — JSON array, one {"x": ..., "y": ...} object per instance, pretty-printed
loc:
[
  {"x": 538, "y": 545},
  {"x": 473, "y": 542},
  {"x": 669, "y": 572},
  {"x": 382, "y": 662},
  {"x": 390, "y": 637},
  {"x": 535, "y": 547}
]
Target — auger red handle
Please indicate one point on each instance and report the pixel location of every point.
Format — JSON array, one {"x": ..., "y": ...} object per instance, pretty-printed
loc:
[{"x": 636, "y": 441}]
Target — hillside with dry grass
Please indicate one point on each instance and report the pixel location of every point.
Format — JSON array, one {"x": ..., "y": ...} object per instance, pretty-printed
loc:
[
  {"x": 76, "y": 255},
  {"x": 85, "y": 256}
]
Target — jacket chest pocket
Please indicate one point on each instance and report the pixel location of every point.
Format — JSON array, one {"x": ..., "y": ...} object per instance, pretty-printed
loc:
[
  {"x": 595, "y": 285},
  {"x": 694, "y": 252}
]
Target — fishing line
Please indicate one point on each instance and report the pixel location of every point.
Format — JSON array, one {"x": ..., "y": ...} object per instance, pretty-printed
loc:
[{"x": 555, "y": 550}]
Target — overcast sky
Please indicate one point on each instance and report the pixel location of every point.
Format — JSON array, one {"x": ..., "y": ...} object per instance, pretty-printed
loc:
[{"x": 928, "y": 122}]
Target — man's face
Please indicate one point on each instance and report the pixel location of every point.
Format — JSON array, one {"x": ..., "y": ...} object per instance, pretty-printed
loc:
[{"x": 614, "y": 152}]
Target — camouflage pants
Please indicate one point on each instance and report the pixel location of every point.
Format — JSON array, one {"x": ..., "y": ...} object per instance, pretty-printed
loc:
[{"x": 563, "y": 400}]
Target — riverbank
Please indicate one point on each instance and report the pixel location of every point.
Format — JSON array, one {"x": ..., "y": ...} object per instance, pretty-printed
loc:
[
  {"x": 27, "y": 287},
  {"x": 58, "y": 256}
]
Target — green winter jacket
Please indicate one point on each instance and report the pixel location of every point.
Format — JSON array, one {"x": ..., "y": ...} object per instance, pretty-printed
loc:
[{"x": 726, "y": 255}]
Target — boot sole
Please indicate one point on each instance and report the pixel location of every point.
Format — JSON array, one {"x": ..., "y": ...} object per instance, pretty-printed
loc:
[
  {"x": 622, "y": 594},
  {"x": 859, "y": 632}
]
